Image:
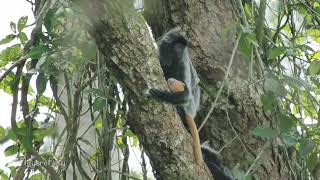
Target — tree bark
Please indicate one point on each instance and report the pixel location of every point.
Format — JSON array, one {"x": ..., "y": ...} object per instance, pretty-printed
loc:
[
  {"x": 213, "y": 27},
  {"x": 123, "y": 37}
]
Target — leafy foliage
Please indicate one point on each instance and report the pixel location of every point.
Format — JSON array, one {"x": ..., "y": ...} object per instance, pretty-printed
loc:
[
  {"x": 62, "y": 54},
  {"x": 290, "y": 53}
]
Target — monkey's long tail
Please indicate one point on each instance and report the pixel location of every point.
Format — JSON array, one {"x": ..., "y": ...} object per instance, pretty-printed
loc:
[{"x": 196, "y": 140}]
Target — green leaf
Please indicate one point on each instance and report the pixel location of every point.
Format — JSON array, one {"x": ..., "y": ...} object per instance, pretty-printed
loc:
[
  {"x": 22, "y": 131},
  {"x": 41, "y": 133},
  {"x": 274, "y": 86},
  {"x": 129, "y": 133},
  {"x": 13, "y": 170},
  {"x": 285, "y": 123},
  {"x": 95, "y": 91},
  {"x": 49, "y": 19},
  {"x": 245, "y": 46},
  {"x": 22, "y": 23},
  {"x": 7, "y": 39},
  {"x": 312, "y": 161},
  {"x": 2, "y": 133},
  {"x": 277, "y": 51},
  {"x": 26, "y": 142},
  {"x": 38, "y": 176},
  {"x": 317, "y": 40},
  {"x": 306, "y": 49},
  {"x": 11, "y": 150},
  {"x": 98, "y": 104},
  {"x": 135, "y": 141},
  {"x": 35, "y": 53},
  {"x": 10, "y": 54},
  {"x": 89, "y": 49},
  {"x": 314, "y": 68},
  {"x": 289, "y": 140},
  {"x": 13, "y": 26},
  {"x": 264, "y": 132},
  {"x": 315, "y": 55},
  {"x": 23, "y": 37},
  {"x": 120, "y": 142},
  {"x": 313, "y": 32},
  {"x": 301, "y": 40},
  {"x": 7, "y": 82},
  {"x": 306, "y": 147},
  {"x": 297, "y": 83},
  {"x": 45, "y": 101},
  {"x": 3, "y": 176},
  {"x": 41, "y": 83},
  {"x": 287, "y": 28},
  {"x": 268, "y": 101},
  {"x": 99, "y": 123},
  {"x": 12, "y": 135}
]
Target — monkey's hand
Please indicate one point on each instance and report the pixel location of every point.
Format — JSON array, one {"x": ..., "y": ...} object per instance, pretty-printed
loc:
[{"x": 177, "y": 98}]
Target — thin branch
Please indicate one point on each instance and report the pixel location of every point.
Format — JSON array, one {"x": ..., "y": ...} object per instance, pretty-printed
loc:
[
  {"x": 14, "y": 105},
  {"x": 143, "y": 165},
  {"x": 84, "y": 85},
  {"x": 15, "y": 97},
  {"x": 126, "y": 154},
  {"x": 17, "y": 63},
  {"x": 233, "y": 129},
  {"x": 213, "y": 105},
  {"x": 255, "y": 162},
  {"x": 227, "y": 144},
  {"x": 80, "y": 167},
  {"x": 246, "y": 24}
]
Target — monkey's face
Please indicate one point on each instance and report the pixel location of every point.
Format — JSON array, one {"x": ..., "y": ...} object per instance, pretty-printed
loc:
[{"x": 170, "y": 53}]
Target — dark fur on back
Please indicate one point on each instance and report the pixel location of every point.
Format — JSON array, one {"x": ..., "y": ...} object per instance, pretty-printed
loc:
[{"x": 175, "y": 63}]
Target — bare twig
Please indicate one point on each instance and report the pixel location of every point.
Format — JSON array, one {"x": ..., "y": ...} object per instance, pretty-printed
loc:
[
  {"x": 84, "y": 85},
  {"x": 255, "y": 162},
  {"x": 235, "y": 132},
  {"x": 222, "y": 85},
  {"x": 143, "y": 165},
  {"x": 20, "y": 173},
  {"x": 126, "y": 154},
  {"x": 17, "y": 63},
  {"x": 246, "y": 24}
]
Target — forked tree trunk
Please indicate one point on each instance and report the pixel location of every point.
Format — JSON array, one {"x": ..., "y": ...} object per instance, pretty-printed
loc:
[
  {"x": 124, "y": 39},
  {"x": 213, "y": 27}
]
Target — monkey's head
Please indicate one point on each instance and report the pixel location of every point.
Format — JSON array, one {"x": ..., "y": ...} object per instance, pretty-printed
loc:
[{"x": 171, "y": 47}]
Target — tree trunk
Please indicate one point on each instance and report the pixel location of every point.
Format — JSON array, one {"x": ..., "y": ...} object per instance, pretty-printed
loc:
[
  {"x": 123, "y": 37},
  {"x": 213, "y": 27}
]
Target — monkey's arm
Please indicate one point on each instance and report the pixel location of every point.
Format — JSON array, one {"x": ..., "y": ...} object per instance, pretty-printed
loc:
[{"x": 173, "y": 97}]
